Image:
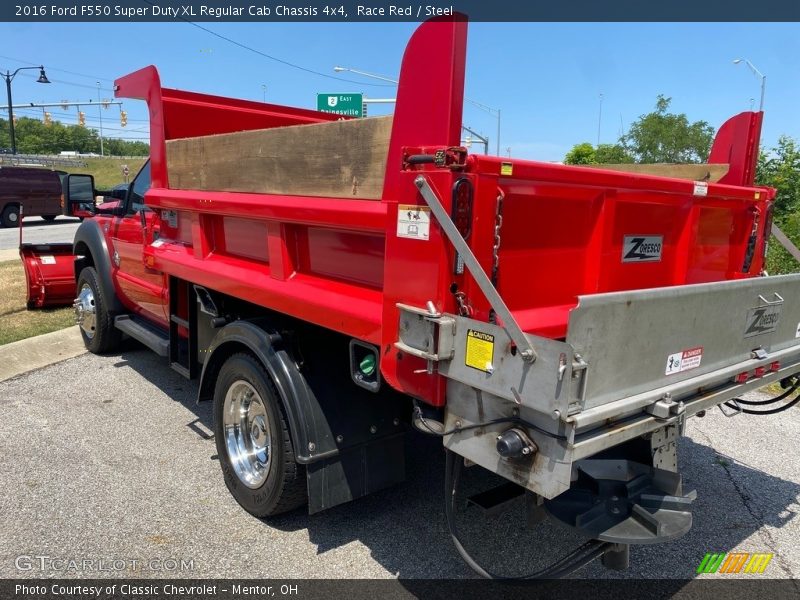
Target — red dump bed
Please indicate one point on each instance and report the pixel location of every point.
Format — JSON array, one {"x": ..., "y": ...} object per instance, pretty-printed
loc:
[{"x": 340, "y": 263}]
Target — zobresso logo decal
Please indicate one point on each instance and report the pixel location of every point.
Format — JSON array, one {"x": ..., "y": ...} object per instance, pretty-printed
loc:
[
  {"x": 734, "y": 562},
  {"x": 642, "y": 248},
  {"x": 762, "y": 319}
]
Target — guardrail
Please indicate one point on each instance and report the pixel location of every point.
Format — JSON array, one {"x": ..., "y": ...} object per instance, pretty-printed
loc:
[{"x": 41, "y": 160}]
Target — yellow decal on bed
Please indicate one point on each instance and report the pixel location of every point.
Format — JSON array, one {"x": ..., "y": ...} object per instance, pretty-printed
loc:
[{"x": 480, "y": 351}]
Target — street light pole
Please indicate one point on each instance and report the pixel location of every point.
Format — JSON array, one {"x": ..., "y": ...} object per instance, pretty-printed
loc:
[
  {"x": 365, "y": 74},
  {"x": 599, "y": 119},
  {"x": 758, "y": 74},
  {"x": 9, "y": 77}
]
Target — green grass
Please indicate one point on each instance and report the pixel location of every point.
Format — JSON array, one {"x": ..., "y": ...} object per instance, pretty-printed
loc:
[
  {"x": 16, "y": 321},
  {"x": 107, "y": 171}
]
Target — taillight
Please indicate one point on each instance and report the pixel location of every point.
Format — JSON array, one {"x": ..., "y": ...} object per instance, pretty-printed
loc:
[
  {"x": 62, "y": 201},
  {"x": 461, "y": 213}
]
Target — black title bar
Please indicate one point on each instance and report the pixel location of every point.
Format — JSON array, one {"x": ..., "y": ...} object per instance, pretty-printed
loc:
[{"x": 400, "y": 10}]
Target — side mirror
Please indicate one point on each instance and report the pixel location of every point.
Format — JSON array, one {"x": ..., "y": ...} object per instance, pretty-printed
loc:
[{"x": 79, "y": 195}]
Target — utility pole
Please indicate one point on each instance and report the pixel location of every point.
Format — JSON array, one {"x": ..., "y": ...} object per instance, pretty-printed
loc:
[{"x": 100, "y": 112}]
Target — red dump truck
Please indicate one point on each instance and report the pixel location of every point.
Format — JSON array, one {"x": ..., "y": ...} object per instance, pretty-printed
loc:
[{"x": 330, "y": 282}]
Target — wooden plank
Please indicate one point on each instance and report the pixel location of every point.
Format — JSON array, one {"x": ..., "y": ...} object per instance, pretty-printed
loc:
[
  {"x": 341, "y": 159},
  {"x": 702, "y": 172}
]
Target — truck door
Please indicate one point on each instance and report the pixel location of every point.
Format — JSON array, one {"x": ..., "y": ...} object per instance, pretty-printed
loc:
[{"x": 141, "y": 289}]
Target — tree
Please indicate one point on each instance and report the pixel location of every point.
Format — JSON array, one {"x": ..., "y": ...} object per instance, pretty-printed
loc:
[
  {"x": 780, "y": 168},
  {"x": 604, "y": 154},
  {"x": 581, "y": 154},
  {"x": 612, "y": 154},
  {"x": 34, "y": 137},
  {"x": 664, "y": 137}
]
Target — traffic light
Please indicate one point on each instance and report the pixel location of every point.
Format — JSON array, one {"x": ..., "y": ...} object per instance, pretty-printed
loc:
[
  {"x": 48, "y": 118},
  {"x": 123, "y": 118},
  {"x": 81, "y": 118}
]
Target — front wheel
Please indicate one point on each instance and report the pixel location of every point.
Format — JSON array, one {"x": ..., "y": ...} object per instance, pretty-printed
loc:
[
  {"x": 253, "y": 443},
  {"x": 91, "y": 314}
]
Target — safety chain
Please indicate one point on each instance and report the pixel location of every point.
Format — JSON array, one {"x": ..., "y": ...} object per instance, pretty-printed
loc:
[{"x": 498, "y": 224}]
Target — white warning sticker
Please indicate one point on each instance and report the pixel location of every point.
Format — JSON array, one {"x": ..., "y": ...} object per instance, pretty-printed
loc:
[
  {"x": 797, "y": 333},
  {"x": 700, "y": 188},
  {"x": 684, "y": 360},
  {"x": 413, "y": 221},
  {"x": 46, "y": 259}
]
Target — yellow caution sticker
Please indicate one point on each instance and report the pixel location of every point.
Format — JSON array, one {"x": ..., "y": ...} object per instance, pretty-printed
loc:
[
  {"x": 506, "y": 168},
  {"x": 480, "y": 351}
]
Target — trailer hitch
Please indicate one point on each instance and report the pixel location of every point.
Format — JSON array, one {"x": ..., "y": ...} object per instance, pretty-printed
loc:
[{"x": 509, "y": 324}]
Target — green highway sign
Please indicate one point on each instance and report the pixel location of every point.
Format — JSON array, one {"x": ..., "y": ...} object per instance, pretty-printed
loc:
[{"x": 350, "y": 105}]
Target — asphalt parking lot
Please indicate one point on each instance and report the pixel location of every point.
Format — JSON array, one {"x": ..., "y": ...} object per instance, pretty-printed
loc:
[
  {"x": 109, "y": 458},
  {"x": 36, "y": 230}
]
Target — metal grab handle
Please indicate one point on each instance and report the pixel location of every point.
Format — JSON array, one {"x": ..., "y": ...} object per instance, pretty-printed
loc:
[
  {"x": 510, "y": 324},
  {"x": 768, "y": 303}
]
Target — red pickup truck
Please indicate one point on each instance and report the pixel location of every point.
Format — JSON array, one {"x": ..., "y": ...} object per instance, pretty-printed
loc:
[{"x": 554, "y": 324}]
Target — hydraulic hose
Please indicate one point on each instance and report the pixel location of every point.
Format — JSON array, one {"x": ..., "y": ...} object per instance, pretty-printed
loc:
[
  {"x": 768, "y": 402},
  {"x": 573, "y": 561}
]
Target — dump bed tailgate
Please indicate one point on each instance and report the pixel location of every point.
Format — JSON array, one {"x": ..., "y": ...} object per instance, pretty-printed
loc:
[{"x": 642, "y": 341}]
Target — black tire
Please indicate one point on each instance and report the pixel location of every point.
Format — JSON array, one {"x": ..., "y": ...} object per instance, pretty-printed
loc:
[
  {"x": 49, "y": 218},
  {"x": 105, "y": 336},
  {"x": 10, "y": 215},
  {"x": 284, "y": 487}
]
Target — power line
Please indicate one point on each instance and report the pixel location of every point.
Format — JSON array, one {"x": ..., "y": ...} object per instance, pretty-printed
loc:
[
  {"x": 71, "y": 83},
  {"x": 270, "y": 57},
  {"x": 49, "y": 68}
]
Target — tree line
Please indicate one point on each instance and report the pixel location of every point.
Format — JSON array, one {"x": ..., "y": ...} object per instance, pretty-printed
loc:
[
  {"x": 664, "y": 137},
  {"x": 35, "y": 137}
]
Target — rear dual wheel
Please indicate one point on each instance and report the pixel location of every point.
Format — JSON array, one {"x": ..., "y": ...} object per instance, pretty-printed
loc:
[{"x": 253, "y": 442}]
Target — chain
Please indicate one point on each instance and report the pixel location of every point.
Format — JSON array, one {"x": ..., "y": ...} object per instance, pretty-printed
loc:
[
  {"x": 464, "y": 309},
  {"x": 498, "y": 224}
]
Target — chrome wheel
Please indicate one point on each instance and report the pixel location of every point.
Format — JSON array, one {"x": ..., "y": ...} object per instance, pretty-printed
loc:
[
  {"x": 247, "y": 437},
  {"x": 85, "y": 311}
]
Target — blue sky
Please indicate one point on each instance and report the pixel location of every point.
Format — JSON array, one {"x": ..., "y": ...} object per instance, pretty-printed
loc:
[{"x": 546, "y": 78}]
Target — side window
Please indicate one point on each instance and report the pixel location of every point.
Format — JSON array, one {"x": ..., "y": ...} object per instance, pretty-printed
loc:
[{"x": 139, "y": 186}]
